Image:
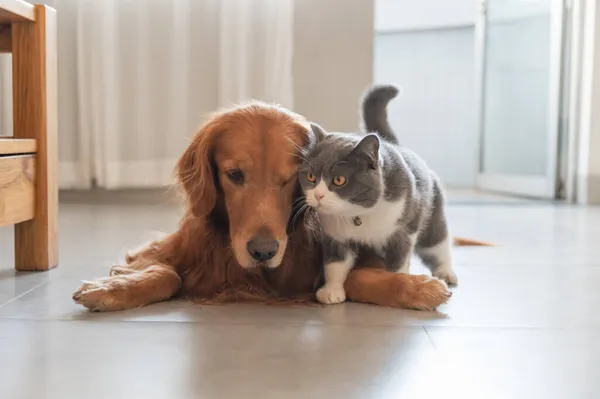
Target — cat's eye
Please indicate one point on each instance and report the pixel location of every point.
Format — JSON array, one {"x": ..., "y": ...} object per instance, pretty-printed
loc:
[
  {"x": 310, "y": 177},
  {"x": 339, "y": 180},
  {"x": 236, "y": 176}
]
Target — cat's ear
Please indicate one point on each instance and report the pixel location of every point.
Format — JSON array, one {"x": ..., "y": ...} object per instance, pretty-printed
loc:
[
  {"x": 368, "y": 148},
  {"x": 318, "y": 131}
]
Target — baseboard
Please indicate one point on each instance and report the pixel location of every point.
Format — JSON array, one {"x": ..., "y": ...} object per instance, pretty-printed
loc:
[
  {"x": 168, "y": 197},
  {"x": 587, "y": 190},
  {"x": 71, "y": 175},
  {"x": 593, "y": 190}
]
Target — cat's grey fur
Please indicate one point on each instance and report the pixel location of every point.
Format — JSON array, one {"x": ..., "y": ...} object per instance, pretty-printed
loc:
[{"x": 383, "y": 181}]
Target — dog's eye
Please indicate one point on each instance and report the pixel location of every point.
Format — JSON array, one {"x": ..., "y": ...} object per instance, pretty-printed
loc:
[
  {"x": 287, "y": 181},
  {"x": 236, "y": 176}
]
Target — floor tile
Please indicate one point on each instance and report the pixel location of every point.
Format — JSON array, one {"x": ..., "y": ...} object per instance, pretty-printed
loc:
[
  {"x": 188, "y": 360},
  {"x": 14, "y": 284},
  {"x": 521, "y": 363},
  {"x": 523, "y": 297}
]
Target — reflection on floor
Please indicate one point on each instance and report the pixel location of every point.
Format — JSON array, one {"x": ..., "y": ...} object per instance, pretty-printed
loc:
[{"x": 523, "y": 323}]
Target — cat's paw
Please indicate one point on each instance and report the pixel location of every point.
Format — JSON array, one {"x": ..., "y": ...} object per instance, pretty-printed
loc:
[
  {"x": 446, "y": 274},
  {"x": 330, "y": 294}
]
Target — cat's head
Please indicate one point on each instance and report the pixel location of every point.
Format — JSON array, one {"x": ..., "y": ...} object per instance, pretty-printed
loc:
[{"x": 341, "y": 174}]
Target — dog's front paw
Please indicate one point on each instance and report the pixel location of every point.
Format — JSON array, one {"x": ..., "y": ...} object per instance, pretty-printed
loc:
[
  {"x": 330, "y": 294},
  {"x": 420, "y": 292},
  {"x": 426, "y": 293},
  {"x": 103, "y": 294}
]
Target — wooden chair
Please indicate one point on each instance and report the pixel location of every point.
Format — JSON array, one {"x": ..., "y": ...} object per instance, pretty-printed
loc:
[{"x": 29, "y": 159}]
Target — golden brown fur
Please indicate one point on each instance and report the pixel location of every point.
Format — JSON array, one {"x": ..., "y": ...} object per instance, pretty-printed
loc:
[{"x": 206, "y": 258}]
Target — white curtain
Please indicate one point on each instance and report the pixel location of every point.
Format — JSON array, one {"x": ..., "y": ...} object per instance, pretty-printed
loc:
[{"x": 136, "y": 78}]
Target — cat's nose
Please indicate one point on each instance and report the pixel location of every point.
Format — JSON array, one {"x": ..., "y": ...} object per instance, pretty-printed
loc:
[{"x": 319, "y": 196}]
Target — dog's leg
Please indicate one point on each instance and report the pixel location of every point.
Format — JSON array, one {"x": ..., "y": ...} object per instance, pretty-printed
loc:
[
  {"x": 385, "y": 288},
  {"x": 128, "y": 288},
  {"x": 145, "y": 279}
]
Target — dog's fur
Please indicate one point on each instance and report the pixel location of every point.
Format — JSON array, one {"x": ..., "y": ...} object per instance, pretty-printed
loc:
[{"x": 206, "y": 258}]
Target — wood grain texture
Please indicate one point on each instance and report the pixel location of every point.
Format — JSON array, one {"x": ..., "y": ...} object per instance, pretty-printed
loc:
[
  {"x": 17, "y": 189},
  {"x": 35, "y": 117},
  {"x": 16, "y": 11},
  {"x": 5, "y": 39},
  {"x": 10, "y": 146}
]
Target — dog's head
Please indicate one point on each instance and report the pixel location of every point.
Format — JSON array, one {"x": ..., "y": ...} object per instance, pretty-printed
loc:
[{"x": 240, "y": 173}]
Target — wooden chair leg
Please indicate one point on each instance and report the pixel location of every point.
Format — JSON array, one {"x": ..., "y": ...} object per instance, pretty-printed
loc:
[{"x": 34, "y": 49}]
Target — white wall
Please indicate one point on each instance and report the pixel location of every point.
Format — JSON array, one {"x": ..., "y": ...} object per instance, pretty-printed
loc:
[
  {"x": 333, "y": 59},
  {"x": 427, "y": 47}
]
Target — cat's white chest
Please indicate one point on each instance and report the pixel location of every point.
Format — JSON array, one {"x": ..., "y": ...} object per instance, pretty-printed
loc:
[{"x": 373, "y": 229}]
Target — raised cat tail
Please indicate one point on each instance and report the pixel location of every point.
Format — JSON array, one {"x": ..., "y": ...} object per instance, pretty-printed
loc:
[{"x": 374, "y": 111}]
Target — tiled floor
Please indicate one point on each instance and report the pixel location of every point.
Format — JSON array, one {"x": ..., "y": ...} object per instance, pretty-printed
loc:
[{"x": 524, "y": 322}]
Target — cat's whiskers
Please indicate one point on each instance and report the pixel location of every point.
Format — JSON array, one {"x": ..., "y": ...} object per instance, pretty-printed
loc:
[
  {"x": 298, "y": 201},
  {"x": 307, "y": 159},
  {"x": 303, "y": 157},
  {"x": 301, "y": 210},
  {"x": 300, "y": 152},
  {"x": 308, "y": 212}
]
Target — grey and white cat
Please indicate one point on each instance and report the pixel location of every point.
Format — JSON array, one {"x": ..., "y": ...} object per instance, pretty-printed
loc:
[{"x": 372, "y": 194}]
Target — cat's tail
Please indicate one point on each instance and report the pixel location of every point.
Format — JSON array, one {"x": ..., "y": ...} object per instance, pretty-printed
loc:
[{"x": 374, "y": 111}]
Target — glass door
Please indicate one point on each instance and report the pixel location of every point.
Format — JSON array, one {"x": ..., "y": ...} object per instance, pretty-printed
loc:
[{"x": 520, "y": 58}]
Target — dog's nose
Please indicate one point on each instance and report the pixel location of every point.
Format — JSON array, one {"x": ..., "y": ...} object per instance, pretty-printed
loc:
[{"x": 262, "y": 247}]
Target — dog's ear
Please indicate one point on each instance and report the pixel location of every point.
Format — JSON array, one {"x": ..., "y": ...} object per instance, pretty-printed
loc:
[{"x": 195, "y": 170}]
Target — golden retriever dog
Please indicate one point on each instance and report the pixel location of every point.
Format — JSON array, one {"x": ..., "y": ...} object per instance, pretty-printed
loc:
[{"x": 242, "y": 237}]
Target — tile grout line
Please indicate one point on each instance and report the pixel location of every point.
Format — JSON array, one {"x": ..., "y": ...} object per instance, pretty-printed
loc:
[
  {"x": 429, "y": 338},
  {"x": 212, "y": 322},
  {"x": 24, "y": 293}
]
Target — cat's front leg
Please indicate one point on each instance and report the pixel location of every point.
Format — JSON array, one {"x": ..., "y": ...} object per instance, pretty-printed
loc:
[
  {"x": 398, "y": 250},
  {"x": 339, "y": 259}
]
